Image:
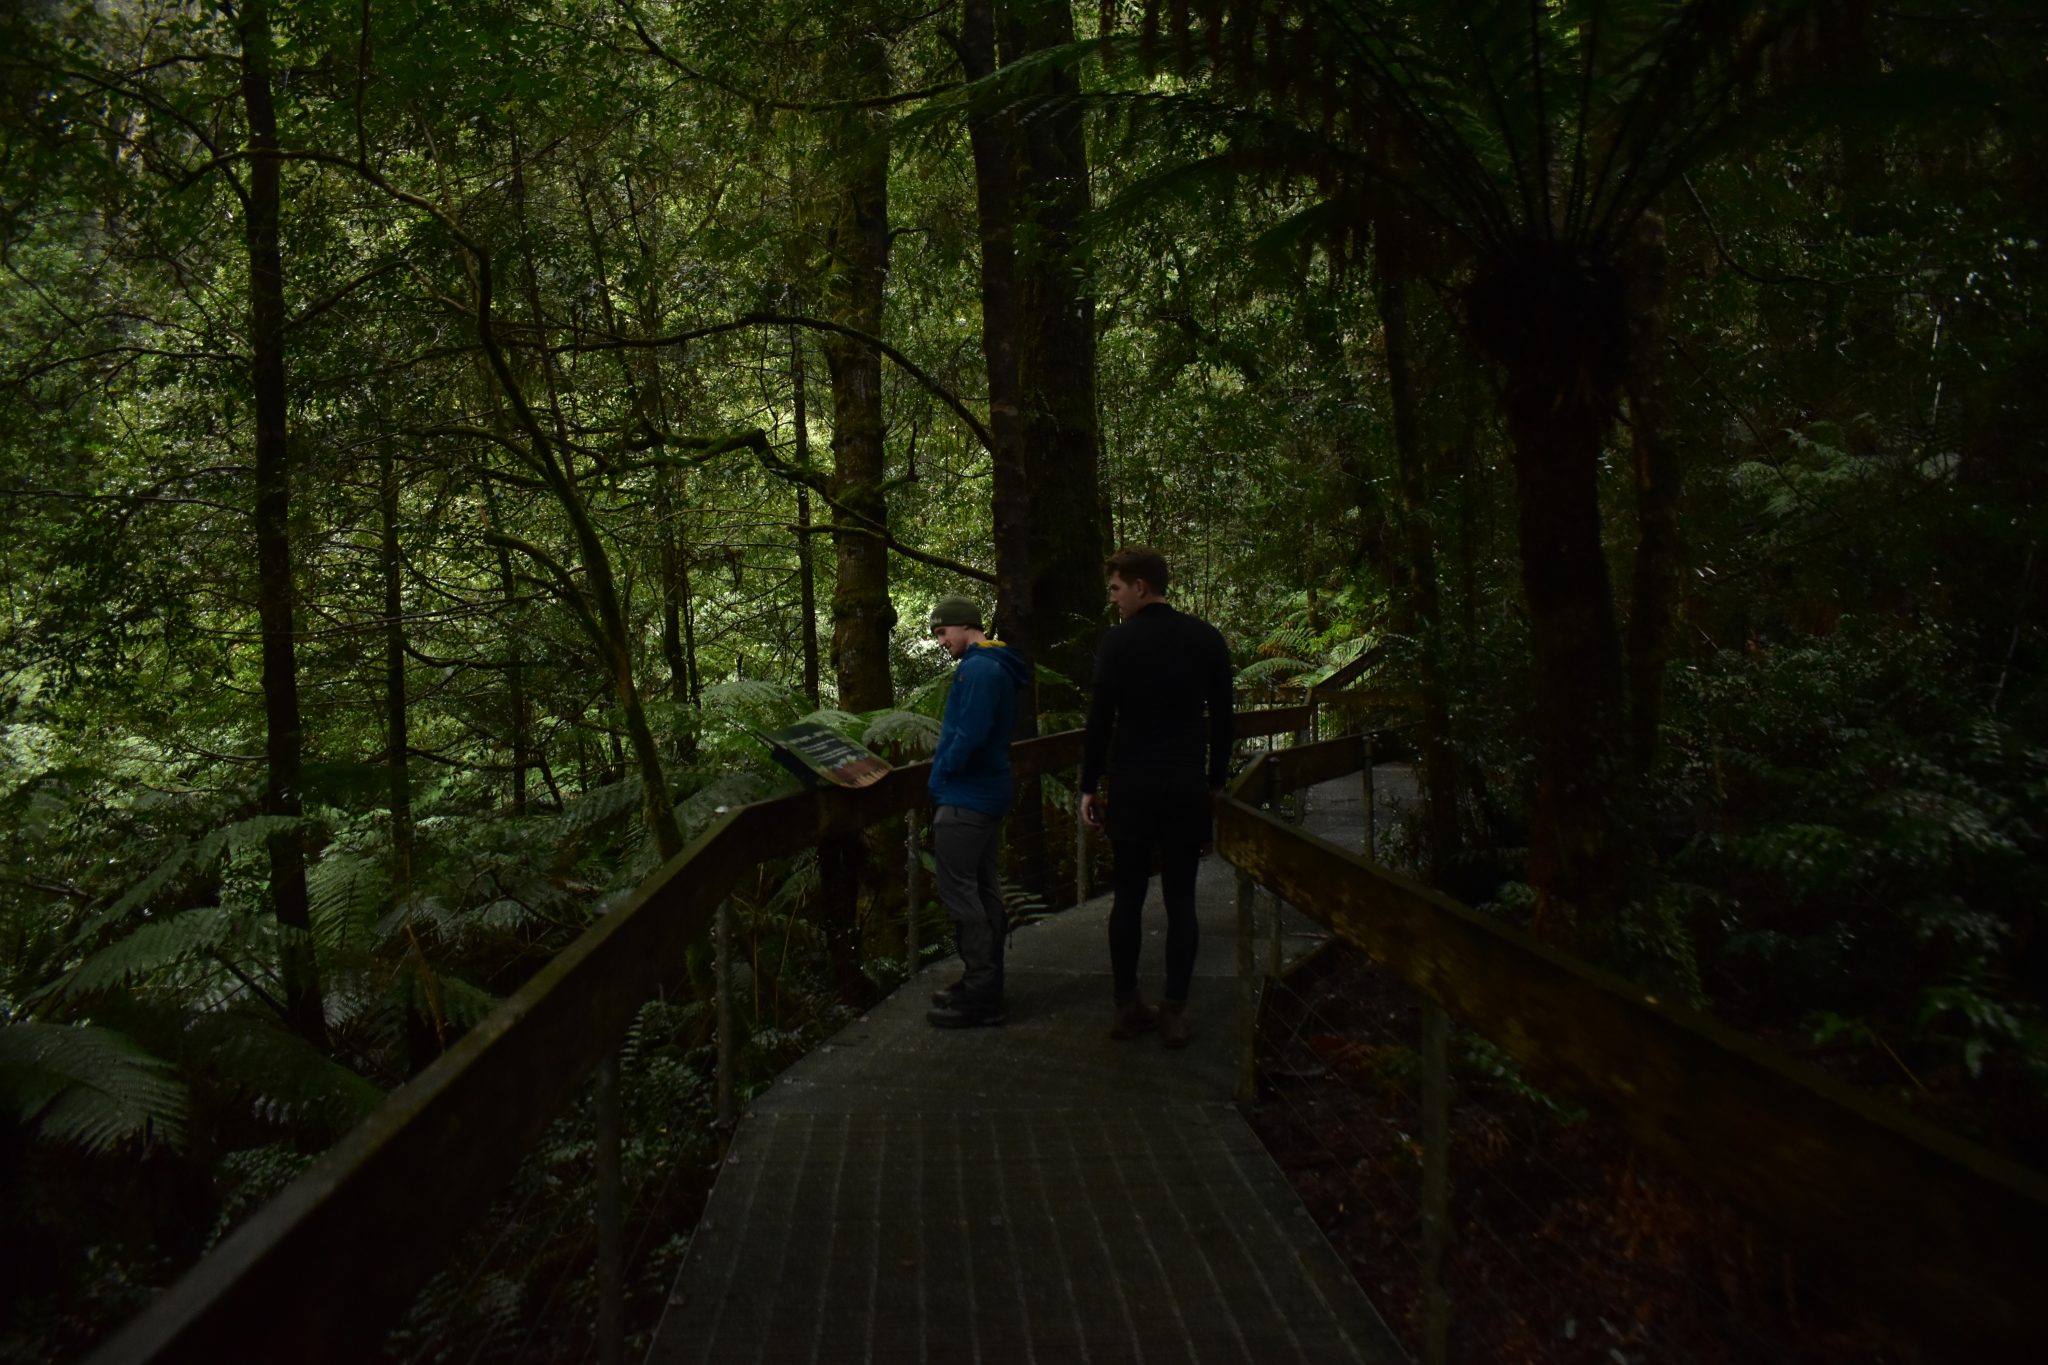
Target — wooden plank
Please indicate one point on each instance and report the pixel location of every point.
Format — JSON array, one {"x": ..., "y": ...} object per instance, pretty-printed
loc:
[
  {"x": 1305, "y": 765},
  {"x": 323, "y": 1271},
  {"x": 1957, "y": 1235},
  {"x": 1344, "y": 676},
  {"x": 1274, "y": 720}
]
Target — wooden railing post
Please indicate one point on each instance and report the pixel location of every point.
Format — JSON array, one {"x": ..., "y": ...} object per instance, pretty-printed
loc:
[
  {"x": 721, "y": 965},
  {"x": 1273, "y": 953},
  {"x": 913, "y": 888},
  {"x": 611, "y": 1250},
  {"x": 1080, "y": 843},
  {"x": 1436, "y": 1180},
  {"x": 1247, "y": 992},
  {"x": 1371, "y": 848}
]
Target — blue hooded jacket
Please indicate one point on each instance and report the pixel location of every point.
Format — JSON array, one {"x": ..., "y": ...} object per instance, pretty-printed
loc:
[{"x": 971, "y": 766}]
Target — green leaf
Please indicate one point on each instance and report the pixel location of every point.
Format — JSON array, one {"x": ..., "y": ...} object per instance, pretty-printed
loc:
[{"x": 90, "y": 1086}]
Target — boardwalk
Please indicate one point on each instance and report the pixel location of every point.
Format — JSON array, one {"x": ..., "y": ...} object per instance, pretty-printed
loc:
[{"x": 1037, "y": 1192}]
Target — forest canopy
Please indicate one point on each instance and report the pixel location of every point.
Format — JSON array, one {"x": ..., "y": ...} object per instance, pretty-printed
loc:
[{"x": 436, "y": 437}]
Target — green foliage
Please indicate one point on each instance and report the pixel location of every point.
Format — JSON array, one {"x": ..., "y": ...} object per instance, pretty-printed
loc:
[
  {"x": 154, "y": 948},
  {"x": 906, "y": 733},
  {"x": 1882, "y": 851},
  {"x": 90, "y": 1086}
]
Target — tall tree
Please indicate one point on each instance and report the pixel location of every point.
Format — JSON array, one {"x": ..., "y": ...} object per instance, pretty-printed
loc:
[
  {"x": 856, "y": 166},
  {"x": 283, "y": 795},
  {"x": 1055, "y": 337}
]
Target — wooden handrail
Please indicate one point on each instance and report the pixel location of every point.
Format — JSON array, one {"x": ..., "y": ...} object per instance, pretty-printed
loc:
[
  {"x": 441, "y": 1146},
  {"x": 1958, "y": 1234}
]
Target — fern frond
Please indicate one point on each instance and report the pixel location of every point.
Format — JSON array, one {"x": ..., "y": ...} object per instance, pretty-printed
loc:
[
  {"x": 140, "y": 894},
  {"x": 842, "y": 723},
  {"x": 903, "y": 733},
  {"x": 277, "y": 1074},
  {"x": 764, "y": 705},
  {"x": 1271, "y": 671},
  {"x": 798, "y": 889},
  {"x": 246, "y": 836},
  {"x": 447, "y": 997},
  {"x": 600, "y": 804},
  {"x": 347, "y": 890},
  {"x": 929, "y": 697},
  {"x": 155, "y": 947},
  {"x": 90, "y": 1086},
  {"x": 731, "y": 789}
]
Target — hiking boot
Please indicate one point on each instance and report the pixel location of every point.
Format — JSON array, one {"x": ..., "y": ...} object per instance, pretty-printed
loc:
[
  {"x": 948, "y": 996},
  {"x": 1133, "y": 1017},
  {"x": 1173, "y": 1023},
  {"x": 961, "y": 1014}
]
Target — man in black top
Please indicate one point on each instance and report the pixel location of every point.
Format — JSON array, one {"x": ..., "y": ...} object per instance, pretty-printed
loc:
[{"x": 1159, "y": 723}]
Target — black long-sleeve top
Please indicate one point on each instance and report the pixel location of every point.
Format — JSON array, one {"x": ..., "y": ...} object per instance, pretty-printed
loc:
[{"x": 1161, "y": 709}]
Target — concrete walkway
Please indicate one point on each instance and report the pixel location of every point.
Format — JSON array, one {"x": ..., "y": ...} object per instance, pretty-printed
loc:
[{"x": 1036, "y": 1192}]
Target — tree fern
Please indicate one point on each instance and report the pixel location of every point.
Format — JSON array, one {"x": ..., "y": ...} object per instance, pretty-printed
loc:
[{"x": 90, "y": 1087}]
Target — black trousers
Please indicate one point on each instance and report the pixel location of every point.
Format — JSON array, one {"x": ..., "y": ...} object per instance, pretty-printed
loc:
[
  {"x": 1173, "y": 823},
  {"x": 964, "y": 848}
]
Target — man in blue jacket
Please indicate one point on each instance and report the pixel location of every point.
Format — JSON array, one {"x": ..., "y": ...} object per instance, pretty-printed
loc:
[{"x": 970, "y": 786}]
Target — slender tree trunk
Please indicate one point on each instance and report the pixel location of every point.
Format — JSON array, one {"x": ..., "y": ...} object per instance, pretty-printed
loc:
[
  {"x": 515, "y": 659},
  {"x": 397, "y": 743},
  {"x": 1659, "y": 549},
  {"x": 284, "y": 739},
  {"x": 1423, "y": 607},
  {"x": 1554, "y": 320},
  {"x": 806, "y": 564},
  {"x": 601, "y": 607},
  {"x": 1055, "y": 346},
  {"x": 993, "y": 135},
  {"x": 858, "y": 248}
]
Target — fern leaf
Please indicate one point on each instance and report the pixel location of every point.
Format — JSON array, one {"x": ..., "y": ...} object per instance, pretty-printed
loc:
[
  {"x": 278, "y": 1075},
  {"x": 346, "y": 891},
  {"x": 1271, "y": 671},
  {"x": 731, "y": 789},
  {"x": 842, "y": 723},
  {"x": 601, "y": 803},
  {"x": 764, "y": 705},
  {"x": 140, "y": 894},
  {"x": 155, "y": 947},
  {"x": 90, "y": 1087},
  {"x": 903, "y": 733}
]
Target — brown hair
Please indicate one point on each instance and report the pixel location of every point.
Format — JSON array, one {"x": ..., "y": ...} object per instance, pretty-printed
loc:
[{"x": 1136, "y": 562}]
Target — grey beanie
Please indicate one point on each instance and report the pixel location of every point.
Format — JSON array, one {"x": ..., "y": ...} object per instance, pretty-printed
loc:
[{"x": 955, "y": 610}]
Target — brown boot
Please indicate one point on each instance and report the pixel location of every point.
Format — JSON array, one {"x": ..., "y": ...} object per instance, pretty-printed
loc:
[
  {"x": 1133, "y": 1017},
  {"x": 1173, "y": 1023}
]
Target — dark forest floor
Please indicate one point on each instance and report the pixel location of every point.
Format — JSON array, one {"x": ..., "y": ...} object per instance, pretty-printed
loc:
[{"x": 1568, "y": 1247}]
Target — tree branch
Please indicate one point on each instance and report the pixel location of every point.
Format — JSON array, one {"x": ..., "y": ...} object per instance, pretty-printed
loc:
[{"x": 745, "y": 320}]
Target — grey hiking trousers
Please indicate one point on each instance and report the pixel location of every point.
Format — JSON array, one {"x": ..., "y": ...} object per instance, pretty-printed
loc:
[{"x": 964, "y": 847}]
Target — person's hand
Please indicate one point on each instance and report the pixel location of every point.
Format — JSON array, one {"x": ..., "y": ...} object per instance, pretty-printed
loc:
[{"x": 1092, "y": 808}]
